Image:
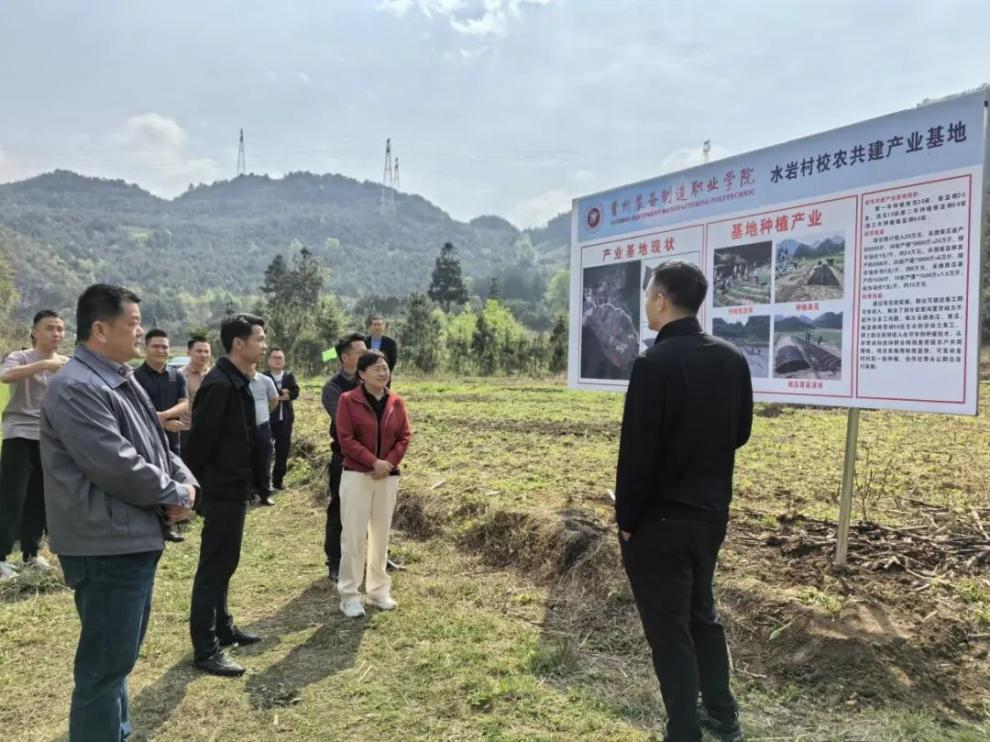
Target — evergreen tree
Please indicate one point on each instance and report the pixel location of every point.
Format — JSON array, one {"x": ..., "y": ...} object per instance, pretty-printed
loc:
[
  {"x": 292, "y": 300},
  {"x": 447, "y": 283},
  {"x": 558, "y": 345},
  {"x": 420, "y": 334}
]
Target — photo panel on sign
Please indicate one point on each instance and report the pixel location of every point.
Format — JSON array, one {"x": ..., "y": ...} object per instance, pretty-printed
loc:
[
  {"x": 742, "y": 274},
  {"x": 810, "y": 267},
  {"x": 609, "y": 330},
  {"x": 808, "y": 345}
]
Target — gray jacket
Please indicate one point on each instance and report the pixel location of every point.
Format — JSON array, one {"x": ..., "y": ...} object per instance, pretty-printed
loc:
[{"x": 107, "y": 467}]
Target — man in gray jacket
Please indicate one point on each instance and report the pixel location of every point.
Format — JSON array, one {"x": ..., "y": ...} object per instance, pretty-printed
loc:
[{"x": 110, "y": 477}]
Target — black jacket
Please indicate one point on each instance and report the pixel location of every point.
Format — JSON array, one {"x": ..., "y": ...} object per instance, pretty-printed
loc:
[
  {"x": 220, "y": 447},
  {"x": 285, "y": 408},
  {"x": 688, "y": 408},
  {"x": 389, "y": 348},
  {"x": 332, "y": 390}
]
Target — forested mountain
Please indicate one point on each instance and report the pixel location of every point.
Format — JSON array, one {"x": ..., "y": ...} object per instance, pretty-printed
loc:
[{"x": 61, "y": 231}]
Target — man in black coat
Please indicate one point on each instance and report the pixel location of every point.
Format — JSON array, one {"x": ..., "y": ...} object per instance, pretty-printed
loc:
[
  {"x": 378, "y": 340},
  {"x": 282, "y": 416},
  {"x": 349, "y": 349},
  {"x": 688, "y": 408},
  {"x": 221, "y": 449}
]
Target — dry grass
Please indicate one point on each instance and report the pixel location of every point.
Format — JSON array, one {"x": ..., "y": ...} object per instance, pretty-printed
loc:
[{"x": 515, "y": 622}]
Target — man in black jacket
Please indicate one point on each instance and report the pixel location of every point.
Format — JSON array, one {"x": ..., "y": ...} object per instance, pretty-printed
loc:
[
  {"x": 221, "y": 451},
  {"x": 688, "y": 408},
  {"x": 282, "y": 416},
  {"x": 378, "y": 340},
  {"x": 349, "y": 349}
]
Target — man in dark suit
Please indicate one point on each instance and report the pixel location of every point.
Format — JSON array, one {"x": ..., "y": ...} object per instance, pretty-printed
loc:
[
  {"x": 378, "y": 340},
  {"x": 222, "y": 450},
  {"x": 688, "y": 408},
  {"x": 282, "y": 416}
]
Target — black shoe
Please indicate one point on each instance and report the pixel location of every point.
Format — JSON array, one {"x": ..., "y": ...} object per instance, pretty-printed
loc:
[
  {"x": 724, "y": 731},
  {"x": 266, "y": 500},
  {"x": 391, "y": 566},
  {"x": 278, "y": 487},
  {"x": 220, "y": 664},
  {"x": 240, "y": 638},
  {"x": 334, "y": 572},
  {"x": 173, "y": 536}
]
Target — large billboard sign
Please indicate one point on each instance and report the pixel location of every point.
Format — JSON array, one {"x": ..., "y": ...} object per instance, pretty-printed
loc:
[{"x": 845, "y": 266}]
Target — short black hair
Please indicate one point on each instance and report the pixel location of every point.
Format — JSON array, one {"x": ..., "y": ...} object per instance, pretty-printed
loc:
[
  {"x": 370, "y": 358},
  {"x": 682, "y": 283},
  {"x": 344, "y": 344},
  {"x": 101, "y": 302},
  {"x": 45, "y": 314},
  {"x": 196, "y": 339},
  {"x": 238, "y": 326},
  {"x": 153, "y": 333},
  {"x": 375, "y": 316},
  {"x": 276, "y": 349}
]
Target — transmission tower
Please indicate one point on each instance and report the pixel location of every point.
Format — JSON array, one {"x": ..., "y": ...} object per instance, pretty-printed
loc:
[
  {"x": 241, "y": 159},
  {"x": 388, "y": 180},
  {"x": 396, "y": 178}
]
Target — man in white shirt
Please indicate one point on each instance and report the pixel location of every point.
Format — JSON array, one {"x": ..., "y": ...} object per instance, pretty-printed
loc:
[{"x": 266, "y": 399}]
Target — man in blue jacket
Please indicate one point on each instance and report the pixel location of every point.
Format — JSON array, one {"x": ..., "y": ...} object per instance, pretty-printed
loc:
[
  {"x": 688, "y": 408},
  {"x": 109, "y": 478}
]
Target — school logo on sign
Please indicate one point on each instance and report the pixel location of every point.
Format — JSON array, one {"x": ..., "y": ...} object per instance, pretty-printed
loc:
[{"x": 593, "y": 218}]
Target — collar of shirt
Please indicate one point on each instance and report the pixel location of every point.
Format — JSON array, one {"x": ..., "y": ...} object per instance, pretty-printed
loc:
[
  {"x": 683, "y": 326},
  {"x": 151, "y": 370},
  {"x": 113, "y": 373}
]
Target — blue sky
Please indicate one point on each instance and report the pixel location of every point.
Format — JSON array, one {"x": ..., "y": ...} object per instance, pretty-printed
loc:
[{"x": 508, "y": 107}]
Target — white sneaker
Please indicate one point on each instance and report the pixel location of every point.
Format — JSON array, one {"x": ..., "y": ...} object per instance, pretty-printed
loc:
[
  {"x": 384, "y": 603},
  {"x": 39, "y": 563},
  {"x": 352, "y": 609},
  {"x": 7, "y": 570}
]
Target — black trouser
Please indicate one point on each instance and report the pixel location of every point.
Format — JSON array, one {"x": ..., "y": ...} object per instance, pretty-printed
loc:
[
  {"x": 263, "y": 460},
  {"x": 220, "y": 550},
  {"x": 671, "y": 564},
  {"x": 22, "y": 497},
  {"x": 282, "y": 436},
  {"x": 331, "y": 542}
]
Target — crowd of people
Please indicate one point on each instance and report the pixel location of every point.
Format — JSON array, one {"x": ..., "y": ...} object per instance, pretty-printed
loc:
[{"x": 110, "y": 458}]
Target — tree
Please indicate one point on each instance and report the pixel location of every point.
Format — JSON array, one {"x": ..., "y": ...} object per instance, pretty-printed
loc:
[
  {"x": 420, "y": 334},
  {"x": 558, "y": 345},
  {"x": 291, "y": 299},
  {"x": 8, "y": 303},
  {"x": 447, "y": 283},
  {"x": 493, "y": 289},
  {"x": 558, "y": 293}
]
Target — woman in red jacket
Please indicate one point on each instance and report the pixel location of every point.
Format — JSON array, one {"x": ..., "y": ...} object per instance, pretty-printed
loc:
[{"x": 374, "y": 434}]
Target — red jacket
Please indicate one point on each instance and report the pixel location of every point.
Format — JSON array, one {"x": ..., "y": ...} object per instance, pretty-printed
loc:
[{"x": 357, "y": 426}]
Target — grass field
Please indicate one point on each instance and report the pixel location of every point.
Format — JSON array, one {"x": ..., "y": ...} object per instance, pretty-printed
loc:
[{"x": 514, "y": 620}]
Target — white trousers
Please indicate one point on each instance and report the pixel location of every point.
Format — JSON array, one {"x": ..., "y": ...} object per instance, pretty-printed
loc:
[{"x": 366, "y": 506}]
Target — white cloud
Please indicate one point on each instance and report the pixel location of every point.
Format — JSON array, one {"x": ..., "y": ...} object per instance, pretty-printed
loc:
[
  {"x": 479, "y": 18},
  {"x": 537, "y": 211},
  {"x": 303, "y": 77},
  {"x": 398, "y": 7},
  {"x": 682, "y": 159},
  {"x": 153, "y": 150}
]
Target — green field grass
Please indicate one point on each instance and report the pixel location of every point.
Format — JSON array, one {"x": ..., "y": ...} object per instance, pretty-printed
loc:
[{"x": 493, "y": 641}]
